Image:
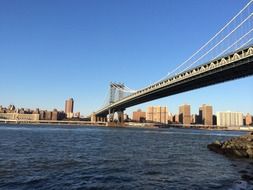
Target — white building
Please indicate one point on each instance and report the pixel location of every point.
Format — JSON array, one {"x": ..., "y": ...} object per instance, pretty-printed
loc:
[{"x": 229, "y": 119}]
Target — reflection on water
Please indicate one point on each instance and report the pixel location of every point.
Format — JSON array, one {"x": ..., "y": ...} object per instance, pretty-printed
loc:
[{"x": 39, "y": 157}]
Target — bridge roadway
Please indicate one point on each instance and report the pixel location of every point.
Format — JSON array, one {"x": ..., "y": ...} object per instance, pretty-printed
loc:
[{"x": 229, "y": 67}]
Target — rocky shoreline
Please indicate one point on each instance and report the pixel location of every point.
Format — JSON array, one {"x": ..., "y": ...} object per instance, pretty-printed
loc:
[{"x": 241, "y": 147}]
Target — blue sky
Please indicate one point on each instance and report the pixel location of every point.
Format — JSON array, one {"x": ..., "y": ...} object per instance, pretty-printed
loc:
[{"x": 51, "y": 50}]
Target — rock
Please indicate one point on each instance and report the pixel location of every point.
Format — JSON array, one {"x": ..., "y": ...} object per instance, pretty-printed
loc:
[
  {"x": 249, "y": 139},
  {"x": 238, "y": 147},
  {"x": 250, "y": 152},
  {"x": 215, "y": 146},
  {"x": 217, "y": 142},
  {"x": 239, "y": 153}
]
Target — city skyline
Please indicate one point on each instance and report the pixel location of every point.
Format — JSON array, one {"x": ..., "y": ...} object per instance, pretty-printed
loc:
[
  {"x": 77, "y": 61},
  {"x": 205, "y": 117},
  {"x": 151, "y": 109}
]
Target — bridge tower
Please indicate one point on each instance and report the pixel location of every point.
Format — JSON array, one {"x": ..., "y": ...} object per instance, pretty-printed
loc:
[
  {"x": 116, "y": 92},
  {"x": 112, "y": 93},
  {"x": 121, "y": 90}
]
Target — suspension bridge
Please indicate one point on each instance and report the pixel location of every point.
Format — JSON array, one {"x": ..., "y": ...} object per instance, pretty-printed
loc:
[{"x": 228, "y": 55}]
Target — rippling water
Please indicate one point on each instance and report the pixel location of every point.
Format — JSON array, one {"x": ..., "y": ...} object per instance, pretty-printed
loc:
[{"x": 39, "y": 157}]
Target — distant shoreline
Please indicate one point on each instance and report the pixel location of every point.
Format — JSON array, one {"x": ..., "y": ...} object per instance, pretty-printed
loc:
[
  {"x": 127, "y": 125},
  {"x": 45, "y": 122}
]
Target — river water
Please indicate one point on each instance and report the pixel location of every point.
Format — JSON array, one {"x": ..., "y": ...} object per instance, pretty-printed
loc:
[{"x": 44, "y": 157}]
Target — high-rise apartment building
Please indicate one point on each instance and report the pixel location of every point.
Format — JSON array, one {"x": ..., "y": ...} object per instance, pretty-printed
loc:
[
  {"x": 69, "y": 107},
  {"x": 206, "y": 115},
  {"x": 185, "y": 114},
  {"x": 176, "y": 118},
  {"x": 54, "y": 115},
  {"x": 139, "y": 115},
  {"x": 42, "y": 115},
  {"x": 214, "y": 120},
  {"x": 194, "y": 118},
  {"x": 48, "y": 115},
  {"x": 229, "y": 119},
  {"x": 248, "y": 119},
  {"x": 170, "y": 117},
  {"x": 157, "y": 114}
]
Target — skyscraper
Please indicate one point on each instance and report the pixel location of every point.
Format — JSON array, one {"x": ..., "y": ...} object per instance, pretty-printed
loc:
[
  {"x": 139, "y": 115},
  {"x": 176, "y": 118},
  {"x": 248, "y": 119},
  {"x": 229, "y": 119},
  {"x": 48, "y": 115},
  {"x": 69, "y": 107},
  {"x": 194, "y": 118},
  {"x": 170, "y": 117},
  {"x": 157, "y": 114},
  {"x": 185, "y": 114},
  {"x": 54, "y": 115},
  {"x": 206, "y": 115}
]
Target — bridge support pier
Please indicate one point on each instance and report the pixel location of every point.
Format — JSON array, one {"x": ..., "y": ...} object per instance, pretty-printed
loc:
[
  {"x": 121, "y": 117},
  {"x": 111, "y": 119},
  {"x": 95, "y": 118},
  {"x": 103, "y": 119},
  {"x": 112, "y": 122}
]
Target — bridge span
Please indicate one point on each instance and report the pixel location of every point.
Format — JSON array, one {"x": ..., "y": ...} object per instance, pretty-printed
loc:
[{"x": 229, "y": 67}]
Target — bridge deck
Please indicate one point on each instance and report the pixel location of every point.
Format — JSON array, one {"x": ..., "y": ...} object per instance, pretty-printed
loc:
[{"x": 233, "y": 66}]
